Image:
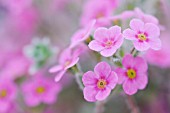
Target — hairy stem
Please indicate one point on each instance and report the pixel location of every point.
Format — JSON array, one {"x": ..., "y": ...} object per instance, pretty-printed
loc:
[
  {"x": 100, "y": 106},
  {"x": 132, "y": 104}
]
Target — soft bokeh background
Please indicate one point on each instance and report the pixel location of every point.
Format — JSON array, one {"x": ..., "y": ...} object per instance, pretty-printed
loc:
[{"x": 22, "y": 21}]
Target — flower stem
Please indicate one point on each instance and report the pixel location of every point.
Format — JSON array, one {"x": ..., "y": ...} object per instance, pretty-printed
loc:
[
  {"x": 134, "y": 52},
  {"x": 100, "y": 106},
  {"x": 132, "y": 104},
  {"x": 78, "y": 75}
]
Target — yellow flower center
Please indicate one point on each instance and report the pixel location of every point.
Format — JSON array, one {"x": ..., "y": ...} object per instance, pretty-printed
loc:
[
  {"x": 101, "y": 84},
  {"x": 3, "y": 93},
  {"x": 142, "y": 37},
  {"x": 99, "y": 15},
  {"x": 109, "y": 43},
  {"x": 40, "y": 90},
  {"x": 131, "y": 73},
  {"x": 67, "y": 63}
]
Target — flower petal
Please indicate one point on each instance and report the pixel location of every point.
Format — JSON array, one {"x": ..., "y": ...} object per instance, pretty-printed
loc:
[
  {"x": 101, "y": 34},
  {"x": 103, "y": 94},
  {"x": 55, "y": 69},
  {"x": 114, "y": 31},
  {"x": 141, "y": 46},
  {"x": 141, "y": 81},
  {"x": 137, "y": 25},
  {"x": 95, "y": 45},
  {"x": 140, "y": 64},
  {"x": 89, "y": 94},
  {"x": 155, "y": 43},
  {"x": 102, "y": 69},
  {"x": 59, "y": 75},
  {"x": 112, "y": 80},
  {"x": 129, "y": 34},
  {"x": 73, "y": 62},
  {"x": 130, "y": 87},
  {"x": 108, "y": 52},
  {"x": 152, "y": 30},
  {"x": 128, "y": 61},
  {"x": 121, "y": 75},
  {"x": 89, "y": 78}
]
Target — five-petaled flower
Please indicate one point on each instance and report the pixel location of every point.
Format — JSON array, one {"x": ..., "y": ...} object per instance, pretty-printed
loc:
[
  {"x": 107, "y": 41},
  {"x": 68, "y": 59},
  {"x": 98, "y": 84},
  {"x": 144, "y": 35},
  {"x": 8, "y": 91},
  {"x": 40, "y": 90},
  {"x": 134, "y": 74}
]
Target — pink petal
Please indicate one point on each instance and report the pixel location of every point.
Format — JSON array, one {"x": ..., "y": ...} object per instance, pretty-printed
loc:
[
  {"x": 121, "y": 75},
  {"x": 89, "y": 78},
  {"x": 108, "y": 52},
  {"x": 140, "y": 64},
  {"x": 141, "y": 81},
  {"x": 118, "y": 41},
  {"x": 103, "y": 94},
  {"x": 141, "y": 46},
  {"x": 73, "y": 62},
  {"x": 49, "y": 98},
  {"x": 32, "y": 101},
  {"x": 4, "y": 107},
  {"x": 128, "y": 61},
  {"x": 155, "y": 43},
  {"x": 129, "y": 87},
  {"x": 152, "y": 30},
  {"x": 101, "y": 34},
  {"x": 65, "y": 55},
  {"x": 59, "y": 75},
  {"x": 89, "y": 94},
  {"x": 102, "y": 69},
  {"x": 95, "y": 45},
  {"x": 112, "y": 80},
  {"x": 137, "y": 25},
  {"x": 55, "y": 69},
  {"x": 129, "y": 34},
  {"x": 114, "y": 31}
]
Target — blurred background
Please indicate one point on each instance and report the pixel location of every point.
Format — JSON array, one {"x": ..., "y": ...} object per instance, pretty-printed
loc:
[{"x": 50, "y": 24}]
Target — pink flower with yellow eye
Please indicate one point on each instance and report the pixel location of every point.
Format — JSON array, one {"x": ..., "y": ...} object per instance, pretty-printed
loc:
[
  {"x": 8, "y": 91},
  {"x": 107, "y": 41},
  {"x": 133, "y": 75},
  {"x": 98, "y": 84},
  {"x": 67, "y": 59},
  {"x": 40, "y": 90},
  {"x": 143, "y": 35}
]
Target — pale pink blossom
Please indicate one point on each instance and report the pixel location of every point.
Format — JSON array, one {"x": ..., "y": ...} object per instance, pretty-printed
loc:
[
  {"x": 67, "y": 59},
  {"x": 143, "y": 35},
  {"x": 107, "y": 41},
  {"x": 99, "y": 10},
  {"x": 39, "y": 90},
  {"x": 98, "y": 84},
  {"x": 133, "y": 75}
]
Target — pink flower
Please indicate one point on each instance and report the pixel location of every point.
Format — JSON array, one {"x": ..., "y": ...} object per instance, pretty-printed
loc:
[
  {"x": 161, "y": 57},
  {"x": 107, "y": 41},
  {"x": 146, "y": 18},
  {"x": 68, "y": 59},
  {"x": 98, "y": 84},
  {"x": 82, "y": 34},
  {"x": 8, "y": 92},
  {"x": 134, "y": 74},
  {"x": 99, "y": 10},
  {"x": 40, "y": 90},
  {"x": 144, "y": 35}
]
